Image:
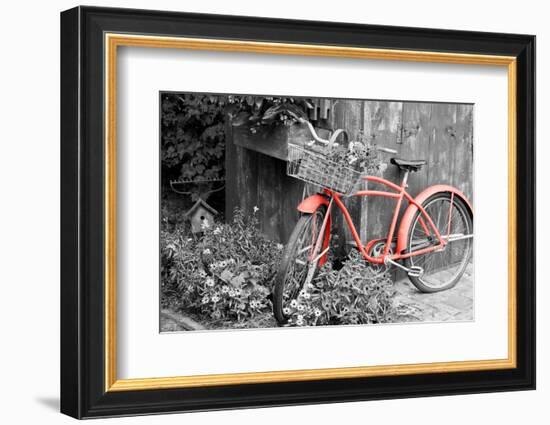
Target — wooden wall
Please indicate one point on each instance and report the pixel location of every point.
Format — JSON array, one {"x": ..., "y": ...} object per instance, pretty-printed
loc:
[{"x": 441, "y": 133}]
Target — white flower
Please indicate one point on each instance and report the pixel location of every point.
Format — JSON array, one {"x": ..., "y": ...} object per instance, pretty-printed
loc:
[
  {"x": 299, "y": 317},
  {"x": 215, "y": 299},
  {"x": 301, "y": 307},
  {"x": 307, "y": 296},
  {"x": 205, "y": 224},
  {"x": 286, "y": 311},
  {"x": 293, "y": 303},
  {"x": 207, "y": 251},
  {"x": 255, "y": 304},
  {"x": 317, "y": 312},
  {"x": 280, "y": 246},
  {"x": 209, "y": 281},
  {"x": 202, "y": 273},
  {"x": 231, "y": 293},
  {"x": 225, "y": 289},
  {"x": 205, "y": 300},
  {"x": 256, "y": 209}
]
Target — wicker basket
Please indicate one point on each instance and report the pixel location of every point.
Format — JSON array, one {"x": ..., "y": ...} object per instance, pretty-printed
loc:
[{"x": 314, "y": 167}]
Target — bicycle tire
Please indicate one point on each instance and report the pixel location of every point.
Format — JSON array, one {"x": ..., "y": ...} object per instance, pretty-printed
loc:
[
  {"x": 422, "y": 283},
  {"x": 289, "y": 258}
]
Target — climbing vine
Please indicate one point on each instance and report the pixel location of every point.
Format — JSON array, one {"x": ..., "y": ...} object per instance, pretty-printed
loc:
[{"x": 193, "y": 128}]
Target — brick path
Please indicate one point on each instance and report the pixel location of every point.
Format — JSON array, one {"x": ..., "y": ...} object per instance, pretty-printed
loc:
[{"x": 455, "y": 304}]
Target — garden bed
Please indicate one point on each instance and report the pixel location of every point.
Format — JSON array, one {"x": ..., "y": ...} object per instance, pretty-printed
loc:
[{"x": 223, "y": 279}]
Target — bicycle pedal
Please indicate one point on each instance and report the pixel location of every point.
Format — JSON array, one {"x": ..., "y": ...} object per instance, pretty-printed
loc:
[{"x": 415, "y": 271}]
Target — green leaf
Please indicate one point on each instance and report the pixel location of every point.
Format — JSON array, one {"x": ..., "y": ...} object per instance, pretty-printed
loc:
[
  {"x": 226, "y": 276},
  {"x": 238, "y": 281}
]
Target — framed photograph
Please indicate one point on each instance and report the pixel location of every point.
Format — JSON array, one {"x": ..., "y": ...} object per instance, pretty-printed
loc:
[{"x": 261, "y": 212}]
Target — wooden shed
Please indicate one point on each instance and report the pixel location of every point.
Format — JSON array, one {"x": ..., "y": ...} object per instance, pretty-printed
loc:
[{"x": 441, "y": 133}]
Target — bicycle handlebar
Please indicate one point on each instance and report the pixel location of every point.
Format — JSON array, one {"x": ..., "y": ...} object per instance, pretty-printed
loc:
[
  {"x": 336, "y": 133},
  {"x": 314, "y": 133}
]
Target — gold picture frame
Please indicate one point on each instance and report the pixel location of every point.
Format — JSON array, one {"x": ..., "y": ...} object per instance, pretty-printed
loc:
[{"x": 114, "y": 41}]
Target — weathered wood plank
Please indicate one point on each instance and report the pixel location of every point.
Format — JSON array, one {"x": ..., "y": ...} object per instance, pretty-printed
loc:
[
  {"x": 291, "y": 196},
  {"x": 348, "y": 115},
  {"x": 464, "y": 159},
  {"x": 382, "y": 126},
  {"x": 270, "y": 194},
  {"x": 246, "y": 191},
  {"x": 442, "y": 143},
  {"x": 231, "y": 172},
  {"x": 278, "y": 199},
  {"x": 415, "y": 141}
]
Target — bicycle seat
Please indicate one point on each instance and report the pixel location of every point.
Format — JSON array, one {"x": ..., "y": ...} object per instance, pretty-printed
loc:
[{"x": 408, "y": 164}]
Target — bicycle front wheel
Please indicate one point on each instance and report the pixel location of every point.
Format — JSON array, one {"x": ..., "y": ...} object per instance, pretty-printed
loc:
[
  {"x": 296, "y": 266},
  {"x": 442, "y": 269}
]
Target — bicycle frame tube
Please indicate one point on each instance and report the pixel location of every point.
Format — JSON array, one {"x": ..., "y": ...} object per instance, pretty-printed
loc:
[
  {"x": 315, "y": 255},
  {"x": 398, "y": 194}
]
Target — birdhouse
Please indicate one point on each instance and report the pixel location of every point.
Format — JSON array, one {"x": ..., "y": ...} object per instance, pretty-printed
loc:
[{"x": 200, "y": 215}]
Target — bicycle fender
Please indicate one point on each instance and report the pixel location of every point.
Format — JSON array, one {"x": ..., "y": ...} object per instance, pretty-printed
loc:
[
  {"x": 311, "y": 203},
  {"x": 309, "y": 206},
  {"x": 406, "y": 220}
]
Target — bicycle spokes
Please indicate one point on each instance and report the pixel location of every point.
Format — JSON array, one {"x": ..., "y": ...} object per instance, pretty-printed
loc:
[
  {"x": 301, "y": 267},
  {"x": 443, "y": 266}
]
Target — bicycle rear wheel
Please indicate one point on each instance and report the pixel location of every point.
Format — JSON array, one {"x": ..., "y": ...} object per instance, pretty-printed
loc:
[
  {"x": 296, "y": 266},
  {"x": 442, "y": 269}
]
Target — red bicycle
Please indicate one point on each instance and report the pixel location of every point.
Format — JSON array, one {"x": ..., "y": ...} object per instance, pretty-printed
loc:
[{"x": 434, "y": 240}]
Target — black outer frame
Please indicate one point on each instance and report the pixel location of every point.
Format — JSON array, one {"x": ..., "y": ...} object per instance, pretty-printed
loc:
[{"x": 82, "y": 207}]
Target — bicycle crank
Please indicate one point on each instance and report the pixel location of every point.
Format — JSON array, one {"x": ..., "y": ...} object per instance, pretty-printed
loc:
[
  {"x": 376, "y": 250},
  {"x": 414, "y": 271}
]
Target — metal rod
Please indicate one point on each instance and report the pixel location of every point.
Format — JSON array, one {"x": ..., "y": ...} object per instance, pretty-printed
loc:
[
  {"x": 388, "y": 261},
  {"x": 452, "y": 238},
  {"x": 321, "y": 254}
]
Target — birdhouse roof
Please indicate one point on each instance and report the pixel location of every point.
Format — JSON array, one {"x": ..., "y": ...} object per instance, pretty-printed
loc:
[{"x": 200, "y": 203}]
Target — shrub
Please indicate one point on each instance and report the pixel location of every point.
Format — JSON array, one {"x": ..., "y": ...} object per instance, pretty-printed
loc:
[
  {"x": 193, "y": 137},
  {"x": 225, "y": 274},
  {"x": 355, "y": 294}
]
